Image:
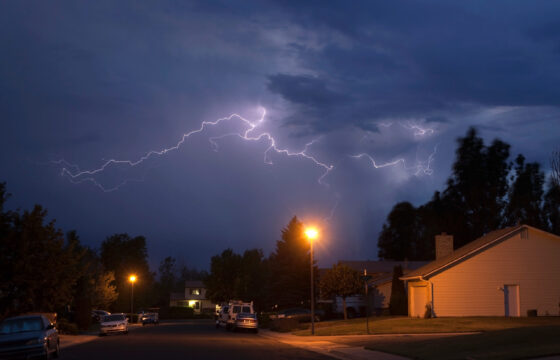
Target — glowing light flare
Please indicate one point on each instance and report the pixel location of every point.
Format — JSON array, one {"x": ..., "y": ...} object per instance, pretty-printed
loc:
[
  {"x": 311, "y": 233},
  {"x": 132, "y": 278}
]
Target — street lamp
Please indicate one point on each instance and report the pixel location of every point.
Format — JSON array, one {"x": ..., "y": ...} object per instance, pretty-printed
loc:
[
  {"x": 132, "y": 279},
  {"x": 312, "y": 234}
]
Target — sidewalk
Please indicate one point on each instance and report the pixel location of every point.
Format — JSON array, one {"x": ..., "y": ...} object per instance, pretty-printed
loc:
[{"x": 322, "y": 345}]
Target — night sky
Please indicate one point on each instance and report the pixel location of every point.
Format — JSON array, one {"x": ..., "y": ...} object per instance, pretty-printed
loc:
[{"x": 342, "y": 83}]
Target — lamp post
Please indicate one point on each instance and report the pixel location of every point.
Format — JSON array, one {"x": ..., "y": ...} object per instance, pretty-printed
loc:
[
  {"x": 132, "y": 279},
  {"x": 312, "y": 234}
]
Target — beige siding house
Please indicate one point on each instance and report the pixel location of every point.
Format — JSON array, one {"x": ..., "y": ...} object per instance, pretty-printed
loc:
[{"x": 507, "y": 272}]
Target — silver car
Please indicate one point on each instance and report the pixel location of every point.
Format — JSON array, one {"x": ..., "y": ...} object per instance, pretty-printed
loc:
[
  {"x": 247, "y": 321},
  {"x": 114, "y": 323},
  {"x": 28, "y": 336}
]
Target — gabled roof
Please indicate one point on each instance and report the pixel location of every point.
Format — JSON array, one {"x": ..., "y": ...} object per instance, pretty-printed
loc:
[
  {"x": 381, "y": 266},
  {"x": 463, "y": 252},
  {"x": 194, "y": 284}
]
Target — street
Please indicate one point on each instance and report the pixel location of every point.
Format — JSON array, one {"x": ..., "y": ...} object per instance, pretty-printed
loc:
[{"x": 196, "y": 339}]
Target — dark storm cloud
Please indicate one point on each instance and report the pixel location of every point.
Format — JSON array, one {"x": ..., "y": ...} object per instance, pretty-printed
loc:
[
  {"x": 304, "y": 90},
  {"x": 422, "y": 58},
  {"x": 97, "y": 80},
  {"x": 437, "y": 119}
]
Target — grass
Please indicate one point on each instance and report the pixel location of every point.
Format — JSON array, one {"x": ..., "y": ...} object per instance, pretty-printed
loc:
[
  {"x": 512, "y": 343},
  {"x": 406, "y": 325}
]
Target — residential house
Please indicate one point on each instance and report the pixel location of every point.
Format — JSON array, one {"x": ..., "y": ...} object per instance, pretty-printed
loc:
[
  {"x": 380, "y": 285},
  {"x": 194, "y": 296},
  {"x": 509, "y": 272}
]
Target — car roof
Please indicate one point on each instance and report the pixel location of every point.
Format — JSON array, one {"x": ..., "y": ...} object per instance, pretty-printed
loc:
[{"x": 24, "y": 317}]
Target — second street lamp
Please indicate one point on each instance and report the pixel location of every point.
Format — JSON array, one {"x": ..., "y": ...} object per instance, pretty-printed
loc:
[
  {"x": 312, "y": 234},
  {"x": 132, "y": 279}
]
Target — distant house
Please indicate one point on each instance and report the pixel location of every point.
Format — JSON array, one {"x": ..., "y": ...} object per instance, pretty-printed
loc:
[
  {"x": 194, "y": 297},
  {"x": 380, "y": 284},
  {"x": 509, "y": 272}
]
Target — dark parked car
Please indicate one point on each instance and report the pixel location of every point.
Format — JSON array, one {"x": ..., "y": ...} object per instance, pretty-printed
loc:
[
  {"x": 97, "y": 315},
  {"x": 28, "y": 336}
]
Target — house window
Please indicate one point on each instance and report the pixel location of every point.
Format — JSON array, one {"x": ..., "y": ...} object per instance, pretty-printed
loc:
[
  {"x": 195, "y": 291},
  {"x": 194, "y": 304}
]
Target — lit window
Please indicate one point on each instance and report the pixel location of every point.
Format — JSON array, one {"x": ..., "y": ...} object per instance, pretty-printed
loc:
[{"x": 195, "y": 291}]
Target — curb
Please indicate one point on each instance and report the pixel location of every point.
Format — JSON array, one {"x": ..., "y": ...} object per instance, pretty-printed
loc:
[{"x": 323, "y": 346}]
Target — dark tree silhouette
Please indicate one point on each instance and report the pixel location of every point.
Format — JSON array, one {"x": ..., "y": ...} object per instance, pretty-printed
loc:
[
  {"x": 551, "y": 207},
  {"x": 525, "y": 195},
  {"x": 224, "y": 273},
  {"x": 398, "y": 304},
  {"x": 399, "y": 238},
  {"x": 341, "y": 281},
  {"x": 477, "y": 187},
  {"x": 290, "y": 267},
  {"x": 124, "y": 255}
]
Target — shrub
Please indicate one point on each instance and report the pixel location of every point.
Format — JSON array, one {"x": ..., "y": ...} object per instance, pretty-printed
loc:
[
  {"x": 428, "y": 312},
  {"x": 179, "y": 312},
  {"x": 264, "y": 320},
  {"x": 66, "y": 327},
  {"x": 398, "y": 303}
]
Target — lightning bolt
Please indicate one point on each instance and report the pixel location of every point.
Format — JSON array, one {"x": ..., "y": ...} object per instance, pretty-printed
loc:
[
  {"x": 248, "y": 132},
  {"x": 76, "y": 175},
  {"x": 419, "y": 168},
  {"x": 418, "y": 130}
]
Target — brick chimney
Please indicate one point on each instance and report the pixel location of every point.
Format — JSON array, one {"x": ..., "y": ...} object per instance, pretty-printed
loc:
[{"x": 444, "y": 245}]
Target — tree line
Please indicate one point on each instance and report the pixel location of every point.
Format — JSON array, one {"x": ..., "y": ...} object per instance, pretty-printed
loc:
[
  {"x": 280, "y": 280},
  {"x": 485, "y": 192},
  {"x": 43, "y": 269}
]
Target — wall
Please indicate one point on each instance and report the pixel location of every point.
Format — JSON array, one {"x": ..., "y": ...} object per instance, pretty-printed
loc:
[{"x": 530, "y": 259}]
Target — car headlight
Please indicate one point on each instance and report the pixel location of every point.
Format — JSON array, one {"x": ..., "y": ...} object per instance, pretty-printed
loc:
[{"x": 35, "y": 341}]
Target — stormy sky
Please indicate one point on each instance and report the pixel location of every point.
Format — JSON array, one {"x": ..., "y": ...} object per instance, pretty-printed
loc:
[{"x": 345, "y": 108}]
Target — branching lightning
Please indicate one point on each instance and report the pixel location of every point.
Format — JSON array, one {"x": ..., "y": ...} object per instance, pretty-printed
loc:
[
  {"x": 76, "y": 175},
  {"x": 419, "y": 168},
  {"x": 249, "y": 132}
]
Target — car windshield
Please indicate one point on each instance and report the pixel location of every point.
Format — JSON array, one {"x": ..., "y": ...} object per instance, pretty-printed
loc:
[
  {"x": 246, "y": 309},
  {"x": 113, "y": 318},
  {"x": 21, "y": 325},
  {"x": 236, "y": 309}
]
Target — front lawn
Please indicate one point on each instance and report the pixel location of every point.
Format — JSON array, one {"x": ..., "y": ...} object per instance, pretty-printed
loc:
[
  {"x": 527, "y": 341},
  {"x": 406, "y": 325}
]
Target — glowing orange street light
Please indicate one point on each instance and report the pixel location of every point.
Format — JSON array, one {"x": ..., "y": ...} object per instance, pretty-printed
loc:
[
  {"x": 132, "y": 279},
  {"x": 312, "y": 234}
]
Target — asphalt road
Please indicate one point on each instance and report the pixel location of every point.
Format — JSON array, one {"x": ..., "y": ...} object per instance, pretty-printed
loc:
[{"x": 197, "y": 339}]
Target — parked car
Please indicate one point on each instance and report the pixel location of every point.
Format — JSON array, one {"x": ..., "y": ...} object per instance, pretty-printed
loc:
[
  {"x": 150, "y": 318},
  {"x": 300, "y": 314},
  {"x": 114, "y": 323},
  {"x": 97, "y": 315},
  {"x": 28, "y": 336},
  {"x": 246, "y": 321},
  {"x": 237, "y": 307}
]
